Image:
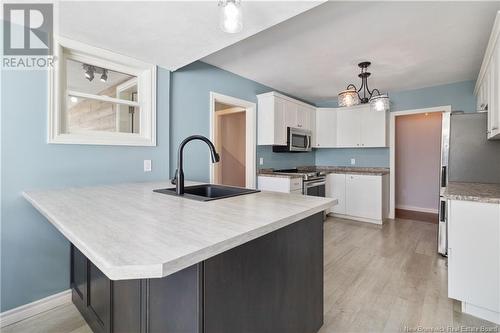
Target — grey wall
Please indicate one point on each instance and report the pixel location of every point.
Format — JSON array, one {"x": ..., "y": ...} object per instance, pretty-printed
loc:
[
  {"x": 459, "y": 95},
  {"x": 190, "y": 105},
  {"x": 35, "y": 256}
]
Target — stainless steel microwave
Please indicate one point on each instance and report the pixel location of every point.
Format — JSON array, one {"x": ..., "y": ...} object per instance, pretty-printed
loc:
[{"x": 297, "y": 140}]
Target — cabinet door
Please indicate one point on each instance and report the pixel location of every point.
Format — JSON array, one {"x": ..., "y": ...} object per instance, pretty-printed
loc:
[
  {"x": 348, "y": 128},
  {"x": 474, "y": 253},
  {"x": 373, "y": 128},
  {"x": 279, "y": 121},
  {"x": 326, "y": 128},
  {"x": 291, "y": 111},
  {"x": 364, "y": 196},
  {"x": 335, "y": 188},
  {"x": 494, "y": 96},
  {"x": 304, "y": 117},
  {"x": 271, "y": 284},
  {"x": 99, "y": 288}
]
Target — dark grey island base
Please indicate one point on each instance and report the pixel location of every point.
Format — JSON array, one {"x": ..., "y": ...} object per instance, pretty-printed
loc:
[{"x": 271, "y": 284}]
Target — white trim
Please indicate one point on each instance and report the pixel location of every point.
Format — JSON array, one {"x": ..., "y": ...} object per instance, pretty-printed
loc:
[
  {"x": 251, "y": 137},
  {"x": 418, "y": 209},
  {"x": 392, "y": 137},
  {"x": 102, "y": 98},
  {"x": 290, "y": 99},
  {"x": 494, "y": 38},
  {"x": 32, "y": 309},
  {"x": 146, "y": 82}
]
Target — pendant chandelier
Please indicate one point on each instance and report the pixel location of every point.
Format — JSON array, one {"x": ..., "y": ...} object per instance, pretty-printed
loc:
[{"x": 353, "y": 96}]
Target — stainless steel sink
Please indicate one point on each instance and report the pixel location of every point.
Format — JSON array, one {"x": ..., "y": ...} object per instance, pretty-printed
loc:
[{"x": 207, "y": 192}]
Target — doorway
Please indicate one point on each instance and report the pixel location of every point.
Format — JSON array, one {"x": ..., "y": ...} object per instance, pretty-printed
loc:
[
  {"x": 233, "y": 134},
  {"x": 415, "y": 164}
]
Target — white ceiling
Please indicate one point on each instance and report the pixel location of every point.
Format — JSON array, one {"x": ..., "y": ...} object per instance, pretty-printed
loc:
[
  {"x": 410, "y": 44},
  {"x": 171, "y": 34}
]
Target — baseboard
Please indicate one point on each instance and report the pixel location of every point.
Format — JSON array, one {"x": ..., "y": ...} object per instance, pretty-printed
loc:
[
  {"x": 355, "y": 218},
  {"x": 480, "y": 312},
  {"x": 418, "y": 209},
  {"x": 31, "y": 309}
]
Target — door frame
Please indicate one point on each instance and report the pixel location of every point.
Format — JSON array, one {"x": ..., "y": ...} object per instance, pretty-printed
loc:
[
  {"x": 392, "y": 149},
  {"x": 250, "y": 132}
]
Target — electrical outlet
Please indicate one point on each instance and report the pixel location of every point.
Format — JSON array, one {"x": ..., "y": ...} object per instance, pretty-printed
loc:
[
  {"x": 353, "y": 161},
  {"x": 261, "y": 161},
  {"x": 147, "y": 165}
]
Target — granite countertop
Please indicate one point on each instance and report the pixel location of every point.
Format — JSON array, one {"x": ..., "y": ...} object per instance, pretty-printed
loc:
[
  {"x": 376, "y": 171},
  {"x": 354, "y": 170},
  {"x": 489, "y": 193},
  {"x": 271, "y": 173},
  {"x": 130, "y": 232}
]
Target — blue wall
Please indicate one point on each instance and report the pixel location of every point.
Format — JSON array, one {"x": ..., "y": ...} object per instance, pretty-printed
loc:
[
  {"x": 459, "y": 95},
  {"x": 34, "y": 255},
  {"x": 190, "y": 102}
]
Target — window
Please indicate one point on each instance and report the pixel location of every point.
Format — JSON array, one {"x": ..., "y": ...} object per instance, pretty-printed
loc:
[{"x": 99, "y": 97}]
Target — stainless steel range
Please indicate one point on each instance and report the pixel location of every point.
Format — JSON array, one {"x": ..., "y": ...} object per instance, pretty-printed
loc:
[{"x": 313, "y": 182}]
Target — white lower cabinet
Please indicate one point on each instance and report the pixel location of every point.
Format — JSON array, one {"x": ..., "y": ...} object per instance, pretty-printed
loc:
[
  {"x": 474, "y": 257},
  {"x": 361, "y": 197},
  {"x": 280, "y": 184},
  {"x": 335, "y": 188},
  {"x": 364, "y": 196}
]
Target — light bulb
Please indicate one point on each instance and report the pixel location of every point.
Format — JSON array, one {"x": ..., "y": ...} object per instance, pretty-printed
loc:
[
  {"x": 231, "y": 11},
  {"x": 73, "y": 99},
  {"x": 231, "y": 19},
  {"x": 379, "y": 105}
]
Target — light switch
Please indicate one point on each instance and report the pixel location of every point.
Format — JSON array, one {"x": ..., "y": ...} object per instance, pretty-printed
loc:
[
  {"x": 261, "y": 161},
  {"x": 147, "y": 165},
  {"x": 353, "y": 161}
]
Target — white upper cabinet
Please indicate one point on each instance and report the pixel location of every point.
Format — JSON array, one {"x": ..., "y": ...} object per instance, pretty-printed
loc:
[
  {"x": 353, "y": 127},
  {"x": 326, "y": 128},
  {"x": 487, "y": 88},
  {"x": 276, "y": 112},
  {"x": 373, "y": 128},
  {"x": 348, "y": 128}
]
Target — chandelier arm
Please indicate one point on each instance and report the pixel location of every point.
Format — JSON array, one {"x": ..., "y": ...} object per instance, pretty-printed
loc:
[
  {"x": 355, "y": 89},
  {"x": 375, "y": 90},
  {"x": 368, "y": 89}
]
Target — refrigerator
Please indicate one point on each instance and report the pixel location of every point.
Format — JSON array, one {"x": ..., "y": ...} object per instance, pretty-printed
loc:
[{"x": 466, "y": 156}]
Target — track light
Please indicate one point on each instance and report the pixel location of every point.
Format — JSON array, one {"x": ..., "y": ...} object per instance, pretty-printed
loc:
[
  {"x": 104, "y": 75},
  {"x": 89, "y": 72}
]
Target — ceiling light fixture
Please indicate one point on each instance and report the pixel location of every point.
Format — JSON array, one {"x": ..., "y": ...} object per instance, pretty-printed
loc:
[
  {"x": 230, "y": 16},
  {"x": 353, "y": 96},
  {"x": 104, "y": 75}
]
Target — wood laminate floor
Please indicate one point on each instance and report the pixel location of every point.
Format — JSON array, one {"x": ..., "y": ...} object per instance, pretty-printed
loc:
[{"x": 377, "y": 279}]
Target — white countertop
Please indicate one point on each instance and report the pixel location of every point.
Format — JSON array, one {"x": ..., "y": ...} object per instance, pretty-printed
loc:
[{"x": 130, "y": 232}]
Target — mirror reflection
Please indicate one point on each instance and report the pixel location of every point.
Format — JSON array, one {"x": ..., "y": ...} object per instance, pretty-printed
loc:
[{"x": 100, "y": 99}]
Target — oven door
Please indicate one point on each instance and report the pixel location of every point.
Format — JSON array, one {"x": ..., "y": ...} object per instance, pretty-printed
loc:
[
  {"x": 315, "y": 188},
  {"x": 298, "y": 139}
]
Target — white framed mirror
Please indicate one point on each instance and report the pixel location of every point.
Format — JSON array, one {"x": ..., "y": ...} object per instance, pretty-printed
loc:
[{"x": 100, "y": 97}]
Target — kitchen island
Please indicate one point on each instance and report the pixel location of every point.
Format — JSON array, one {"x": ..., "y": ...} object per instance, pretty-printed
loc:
[{"x": 147, "y": 262}]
